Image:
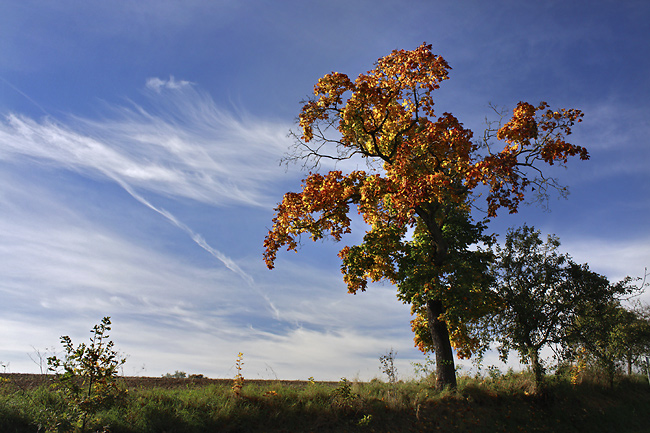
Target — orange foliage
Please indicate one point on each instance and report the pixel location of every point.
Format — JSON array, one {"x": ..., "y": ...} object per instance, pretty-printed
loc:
[{"x": 429, "y": 163}]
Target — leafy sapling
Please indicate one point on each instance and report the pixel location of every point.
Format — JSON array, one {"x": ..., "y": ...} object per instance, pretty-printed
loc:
[
  {"x": 40, "y": 358},
  {"x": 388, "y": 365},
  {"x": 238, "y": 381},
  {"x": 87, "y": 375}
]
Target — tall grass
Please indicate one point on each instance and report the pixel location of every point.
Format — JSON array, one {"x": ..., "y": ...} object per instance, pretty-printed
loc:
[{"x": 480, "y": 404}]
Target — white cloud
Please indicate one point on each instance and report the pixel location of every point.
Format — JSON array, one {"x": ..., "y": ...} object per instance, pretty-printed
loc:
[
  {"x": 169, "y": 315},
  {"x": 62, "y": 272},
  {"x": 188, "y": 149},
  {"x": 616, "y": 259},
  {"x": 158, "y": 84}
]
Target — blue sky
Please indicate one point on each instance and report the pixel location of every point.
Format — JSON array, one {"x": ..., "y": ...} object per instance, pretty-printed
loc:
[{"x": 139, "y": 149}]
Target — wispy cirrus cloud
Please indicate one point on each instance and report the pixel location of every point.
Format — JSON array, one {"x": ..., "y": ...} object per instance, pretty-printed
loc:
[
  {"x": 615, "y": 258},
  {"x": 185, "y": 147},
  {"x": 61, "y": 272}
]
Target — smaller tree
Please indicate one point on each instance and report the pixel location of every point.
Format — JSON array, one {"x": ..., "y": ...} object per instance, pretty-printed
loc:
[
  {"x": 635, "y": 335},
  {"x": 87, "y": 375},
  {"x": 607, "y": 333},
  {"x": 538, "y": 290},
  {"x": 388, "y": 366}
]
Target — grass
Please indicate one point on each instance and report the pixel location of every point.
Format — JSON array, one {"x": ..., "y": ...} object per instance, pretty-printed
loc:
[{"x": 496, "y": 404}]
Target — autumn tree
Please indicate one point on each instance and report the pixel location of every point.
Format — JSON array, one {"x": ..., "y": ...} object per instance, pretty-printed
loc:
[{"x": 424, "y": 171}]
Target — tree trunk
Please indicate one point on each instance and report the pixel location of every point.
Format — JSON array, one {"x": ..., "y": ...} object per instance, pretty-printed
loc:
[
  {"x": 445, "y": 371},
  {"x": 611, "y": 370},
  {"x": 537, "y": 368},
  {"x": 629, "y": 362}
]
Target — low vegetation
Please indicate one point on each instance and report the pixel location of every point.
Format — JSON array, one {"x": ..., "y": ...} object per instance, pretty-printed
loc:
[{"x": 495, "y": 403}]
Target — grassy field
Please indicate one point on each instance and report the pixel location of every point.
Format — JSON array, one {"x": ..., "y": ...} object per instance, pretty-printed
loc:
[{"x": 502, "y": 403}]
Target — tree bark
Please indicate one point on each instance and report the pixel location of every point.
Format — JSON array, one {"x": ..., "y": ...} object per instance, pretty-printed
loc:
[
  {"x": 445, "y": 371},
  {"x": 629, "y": 362},
  {"x": 611, "y": 370},
  {"x": 537, "y": 367}
]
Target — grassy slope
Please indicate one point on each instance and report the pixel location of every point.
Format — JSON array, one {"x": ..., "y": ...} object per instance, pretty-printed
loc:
[{"x": 494, "y": 405}]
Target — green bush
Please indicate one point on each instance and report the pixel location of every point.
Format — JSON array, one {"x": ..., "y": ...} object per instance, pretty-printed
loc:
[{"x": 86, "y": 380}]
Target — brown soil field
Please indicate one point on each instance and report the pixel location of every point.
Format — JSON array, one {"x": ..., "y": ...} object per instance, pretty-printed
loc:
[{"x": 28, "y": 381}]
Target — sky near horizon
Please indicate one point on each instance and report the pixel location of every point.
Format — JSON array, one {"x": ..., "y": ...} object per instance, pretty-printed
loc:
[{"x": 139, "y": 163}]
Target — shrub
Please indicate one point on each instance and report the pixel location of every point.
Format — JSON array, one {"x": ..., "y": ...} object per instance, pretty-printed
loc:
[
  {"x": 86, "y": 378},
  {"x": 177, "y": 375}
]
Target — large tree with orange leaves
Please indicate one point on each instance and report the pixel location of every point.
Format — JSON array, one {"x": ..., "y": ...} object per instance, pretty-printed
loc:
[{"x": 425, "y": 171}]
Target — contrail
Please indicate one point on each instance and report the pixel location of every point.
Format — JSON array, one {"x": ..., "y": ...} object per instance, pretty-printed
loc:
[
  {"x": 25, "y": 95},
  {"x": 197, "y": 238},
  {"x": 200, "y": 241}
]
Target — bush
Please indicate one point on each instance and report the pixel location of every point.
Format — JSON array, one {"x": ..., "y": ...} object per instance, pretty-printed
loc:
[{"x": 85, "y": 379}]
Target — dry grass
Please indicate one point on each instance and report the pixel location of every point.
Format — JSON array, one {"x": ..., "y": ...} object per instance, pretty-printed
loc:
[{"x": 503, "y": 403}]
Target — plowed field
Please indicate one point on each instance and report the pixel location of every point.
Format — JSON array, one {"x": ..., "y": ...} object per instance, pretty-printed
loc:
[{"x": 28, "y": 381}]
